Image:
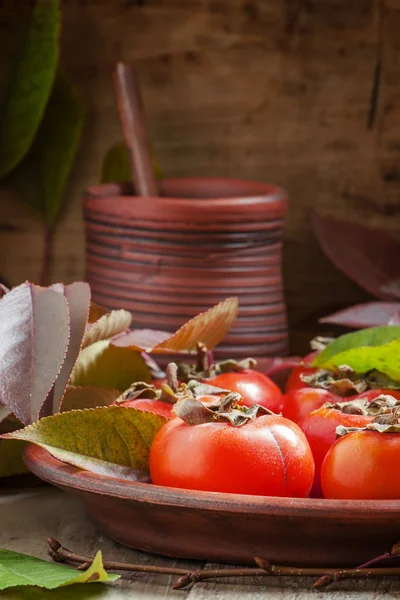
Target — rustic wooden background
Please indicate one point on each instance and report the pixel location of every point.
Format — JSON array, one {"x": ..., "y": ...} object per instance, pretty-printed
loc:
[{"x": 303, "y": 93}]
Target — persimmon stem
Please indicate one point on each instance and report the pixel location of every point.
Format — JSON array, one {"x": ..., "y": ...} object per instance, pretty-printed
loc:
[
  {"x": 172, "y": 376},
  {"x": 202, "y": 363},
  {"x": 325, "y": 576}
]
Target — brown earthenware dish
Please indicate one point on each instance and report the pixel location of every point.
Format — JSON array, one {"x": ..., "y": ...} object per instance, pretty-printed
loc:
[{"x": 227, "y": 527}]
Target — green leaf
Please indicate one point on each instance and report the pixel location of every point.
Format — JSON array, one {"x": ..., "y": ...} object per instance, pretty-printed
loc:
[
  {"x": 42, "y": 176},
  {"x": 113, "y": 441},
  {"x": 116, "y": 167},
  {"x": 373, "y": 336},
  {"x": 30, "y": 85},
  {"x": 20, "y": 569},
  {"x": 385, "y": 359},
  {"x": 104, "y": 365}
]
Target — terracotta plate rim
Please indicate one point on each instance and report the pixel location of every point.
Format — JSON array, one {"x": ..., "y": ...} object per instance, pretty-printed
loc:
[{"x": 52, "y": 470}]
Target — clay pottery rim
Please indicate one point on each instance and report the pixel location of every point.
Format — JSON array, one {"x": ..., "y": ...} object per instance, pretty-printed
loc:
[
  {"x": 223, "y": 278},
  {"x": 143, "y": 259},
  {"x": 208, "y": 199},
  {"x": 230, "y": 528},
  {"x": 198, "y": 271},
  {"x": 121, "y": 295}
]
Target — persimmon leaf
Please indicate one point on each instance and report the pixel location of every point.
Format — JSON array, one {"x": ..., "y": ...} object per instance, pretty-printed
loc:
[
  {"x": 30, "y": 85},
  {"x": 4, "y": 412},
  {"x": 385, "y": 359},
  {"x": 78, "y": 299},
  {"x": 372, "y": 336},
  {"x": 87, "y": 397},
  {"x": 34, "y": 336},
  {"x": 367, "y": 256},
  {"x": 107, "y": 326},
  {"x": 41, "y": 177},
  {"x": 376, "y": 348},
  {"x": 113, "y": 440},
  {"x": 104, "y": 365},
  {"x": 370, "y": 314},
  {"x": 395, "y": 318},
  {"x": 209, "y": 328},
  {"x": 21, "y": 569},
  {"x": 116, "y": 166}
]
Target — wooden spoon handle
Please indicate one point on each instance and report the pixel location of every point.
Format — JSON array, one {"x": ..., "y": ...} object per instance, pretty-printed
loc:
[{"x": 131, "y": 115}]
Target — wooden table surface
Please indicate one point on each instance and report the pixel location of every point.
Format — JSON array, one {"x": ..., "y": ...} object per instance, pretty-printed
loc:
[{"x": 27, "y": 517}]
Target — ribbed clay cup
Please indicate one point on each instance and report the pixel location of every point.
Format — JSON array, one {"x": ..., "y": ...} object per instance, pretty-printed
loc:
[{"x": 209, "y": 237}]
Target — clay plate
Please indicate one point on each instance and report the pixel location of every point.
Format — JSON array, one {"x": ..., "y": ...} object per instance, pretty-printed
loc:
[{"x": 227, "y": 527}]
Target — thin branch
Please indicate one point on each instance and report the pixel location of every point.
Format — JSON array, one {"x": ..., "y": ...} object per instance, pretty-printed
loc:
[{"x": 263, "y": 569}]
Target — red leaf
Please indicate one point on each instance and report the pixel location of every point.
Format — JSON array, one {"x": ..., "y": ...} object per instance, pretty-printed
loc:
[
  {"x": 209, "y": 328},
  {"x": 392, "y": 288},
  {"x": 395, "y": 318},
  {"x": 34, "y": 335},
  {"x": 370, "y": 314},
  {"x": 141, "y": 338},
  {"x": 367, "y": 256}
]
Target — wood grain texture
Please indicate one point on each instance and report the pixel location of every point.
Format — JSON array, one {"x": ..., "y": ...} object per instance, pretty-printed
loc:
[
  {"x": 29, "y": 516},
  {"x": 303, "y": 93}
]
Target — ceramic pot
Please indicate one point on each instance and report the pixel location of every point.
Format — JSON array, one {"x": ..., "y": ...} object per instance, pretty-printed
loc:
[{"x": 201, "y": 241}]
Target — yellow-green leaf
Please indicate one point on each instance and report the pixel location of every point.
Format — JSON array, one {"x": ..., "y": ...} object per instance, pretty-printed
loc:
[
  {"x": 116, "y": 167},
  {"x": 21, "y": 569},
  {"x": 209, "y": 327},
  {"x": 370, "y": 337},
  {"x": 107, "y": 326},
  {"x": 104, "y": 365},
  {"x": 30, "y": 85},
  {"x": 385, "y": 359},
  {"x": 41, "y": 177},
  {"x": 113, "y": 441}
]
